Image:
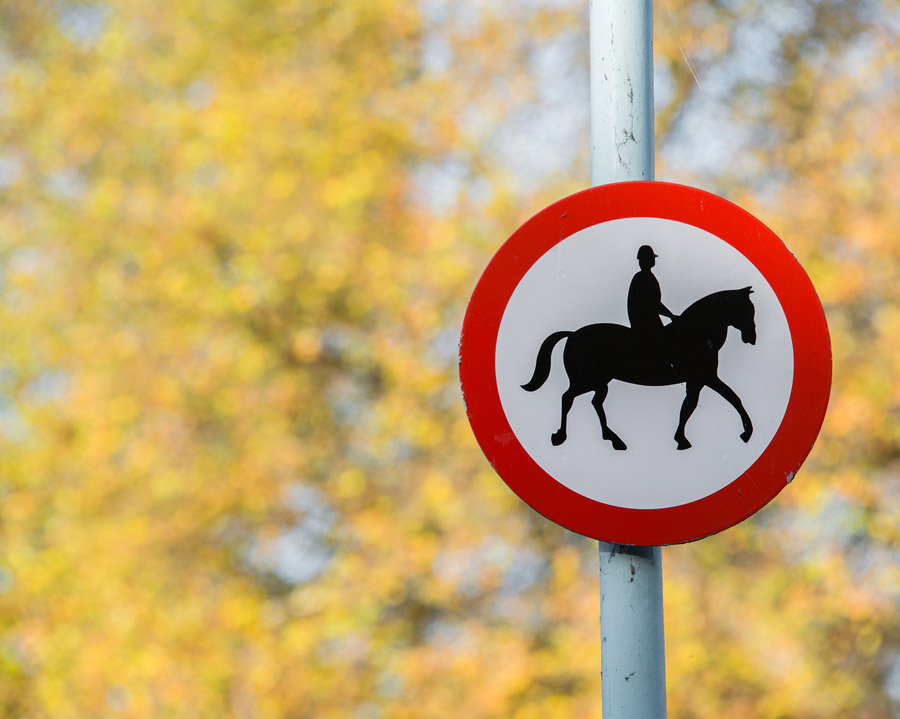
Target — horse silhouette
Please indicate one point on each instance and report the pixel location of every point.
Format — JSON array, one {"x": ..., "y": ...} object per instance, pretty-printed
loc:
[{"x": 684, "y": 351}]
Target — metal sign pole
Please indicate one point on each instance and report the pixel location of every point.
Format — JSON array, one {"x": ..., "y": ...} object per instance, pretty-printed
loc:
[{"x": 633, "y": 668}]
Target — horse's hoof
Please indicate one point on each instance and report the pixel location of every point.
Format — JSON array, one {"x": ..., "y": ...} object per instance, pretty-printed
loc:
[
  {"x": 557, "y": 438},
  {"x": 683, "y": 444},
  {"x": 619, "y": 444},
  {"x": 746, "y": 435}
]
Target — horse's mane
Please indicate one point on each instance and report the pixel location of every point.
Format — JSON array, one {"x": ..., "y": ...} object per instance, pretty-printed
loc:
[{"x": 711, "y": 304}]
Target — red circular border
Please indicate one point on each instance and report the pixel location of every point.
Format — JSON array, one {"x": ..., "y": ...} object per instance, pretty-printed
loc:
[{"x": 780, "y": 461}]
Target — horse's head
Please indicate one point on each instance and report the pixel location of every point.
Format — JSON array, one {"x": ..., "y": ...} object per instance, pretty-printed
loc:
[{"x": 742, "y": 315}]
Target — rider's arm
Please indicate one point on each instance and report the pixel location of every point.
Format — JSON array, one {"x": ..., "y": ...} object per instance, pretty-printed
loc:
[{"x": 664, "y": 311}]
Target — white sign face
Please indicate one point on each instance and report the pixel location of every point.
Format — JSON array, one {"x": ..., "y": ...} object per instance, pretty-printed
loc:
[
  {"x": 645, "y": 363},
  {"x": 585, "y": 280}
]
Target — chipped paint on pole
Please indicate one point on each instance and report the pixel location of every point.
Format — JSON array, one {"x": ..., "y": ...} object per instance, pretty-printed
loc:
[
  {"x": 631, "y": 611},
  {"x": 631, "y": 627},
  {"x": 621, "y": 51}
]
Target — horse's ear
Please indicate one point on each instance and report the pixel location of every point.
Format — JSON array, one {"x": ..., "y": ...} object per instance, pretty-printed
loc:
[{"x": 748, "y": 290}]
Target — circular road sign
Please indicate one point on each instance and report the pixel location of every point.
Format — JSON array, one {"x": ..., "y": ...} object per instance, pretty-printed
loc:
[{"x": 645, "y": 363}]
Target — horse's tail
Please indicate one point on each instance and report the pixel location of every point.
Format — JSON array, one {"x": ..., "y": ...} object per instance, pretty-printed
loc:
[{"x": 542, "y": 366}]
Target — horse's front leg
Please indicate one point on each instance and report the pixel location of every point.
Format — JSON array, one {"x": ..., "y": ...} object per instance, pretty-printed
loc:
[
  {"x": 735, "y": 401},
  {"x": 691, "y": 397},
  {"x": 608, "y": 434}
]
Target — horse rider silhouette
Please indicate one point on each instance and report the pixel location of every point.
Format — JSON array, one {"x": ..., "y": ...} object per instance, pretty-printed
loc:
[
  {"x": 686, "y": 351},
  {"x": 645, "y": 298}
]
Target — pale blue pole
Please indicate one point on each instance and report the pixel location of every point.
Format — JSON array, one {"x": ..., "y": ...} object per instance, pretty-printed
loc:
[
  {"x": 621, "y": 90},
  {"x": 633, "y": 664}
]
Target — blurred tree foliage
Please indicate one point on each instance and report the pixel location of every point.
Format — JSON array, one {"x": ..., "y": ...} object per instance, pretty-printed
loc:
[{"x": 236, "y": 243}]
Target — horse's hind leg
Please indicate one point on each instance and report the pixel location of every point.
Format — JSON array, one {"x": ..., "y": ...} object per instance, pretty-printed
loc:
[
  {"x": 599, "y": 397},
  {"x": 691, "y": 397},
  {"x": 559, "y": 436},
  {"x": 735, "y": 401}
]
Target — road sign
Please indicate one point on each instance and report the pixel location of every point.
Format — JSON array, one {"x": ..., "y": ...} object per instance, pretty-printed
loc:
[{"x": 645, "y": 363}]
